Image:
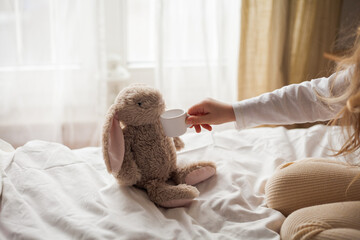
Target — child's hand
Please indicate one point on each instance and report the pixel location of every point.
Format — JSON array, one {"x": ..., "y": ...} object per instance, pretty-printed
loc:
[{"x": 209, "y": 112}]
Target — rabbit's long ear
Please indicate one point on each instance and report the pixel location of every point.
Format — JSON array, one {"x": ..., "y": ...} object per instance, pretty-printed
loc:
[{"x": 113, "y": 142}]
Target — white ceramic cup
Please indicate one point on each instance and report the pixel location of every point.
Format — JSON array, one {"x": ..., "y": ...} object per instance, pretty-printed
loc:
[{"x": 173, "y": 122}]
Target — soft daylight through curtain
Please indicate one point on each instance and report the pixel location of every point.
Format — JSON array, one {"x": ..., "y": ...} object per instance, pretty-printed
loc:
[
  {"x": 197, "y": 50},
  {"x": 49, "y": 77},
  {"x": 62, "y": 62}
]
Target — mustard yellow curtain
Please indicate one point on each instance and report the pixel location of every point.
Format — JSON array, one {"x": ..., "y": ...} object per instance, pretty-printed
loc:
[{"x": 283, "y": 41}]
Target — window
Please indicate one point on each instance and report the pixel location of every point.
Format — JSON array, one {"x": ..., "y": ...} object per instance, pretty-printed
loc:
[
  {"x": 31, "y": 38},
  {"x": 50, "y": 80},
  {"x": 64, "y": 61},
  {"x": 184, "y": 45}
]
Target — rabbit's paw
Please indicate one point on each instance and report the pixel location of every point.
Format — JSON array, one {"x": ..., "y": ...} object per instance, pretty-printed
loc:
[
  {"x": 195, "y": 173},
  {"x": 200, "y": 174},
  {"x": 170, "y": 196}
]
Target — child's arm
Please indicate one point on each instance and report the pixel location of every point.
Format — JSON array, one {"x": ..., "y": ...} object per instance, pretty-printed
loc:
[{"x": 296, "y": 103}]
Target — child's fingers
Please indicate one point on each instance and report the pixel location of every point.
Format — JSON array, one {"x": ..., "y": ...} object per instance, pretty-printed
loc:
[
  {"x": 207, "y": 127},
  {"x": 199, "y": 119},
  {"x": 197, "y": 128}
]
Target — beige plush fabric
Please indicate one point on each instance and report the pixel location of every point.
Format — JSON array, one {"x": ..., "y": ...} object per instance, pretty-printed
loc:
[
  {"x": 314, "y": 194},
  {"x": 137, "y": 152},
  {"x": 324, "y": 222}
]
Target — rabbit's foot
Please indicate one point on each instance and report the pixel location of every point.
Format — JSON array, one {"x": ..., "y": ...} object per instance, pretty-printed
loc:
[
  {"x": 194, "y": 173},
  {"x": 170, "y": 196},
  {"x": 175, "y": 203}
]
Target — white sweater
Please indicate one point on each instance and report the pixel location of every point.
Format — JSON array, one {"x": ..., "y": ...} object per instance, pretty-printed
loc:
[{"x": 296, "y": 103}]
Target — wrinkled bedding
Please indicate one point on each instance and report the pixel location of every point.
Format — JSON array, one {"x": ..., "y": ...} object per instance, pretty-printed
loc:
[{"x": 49, "y": 191}]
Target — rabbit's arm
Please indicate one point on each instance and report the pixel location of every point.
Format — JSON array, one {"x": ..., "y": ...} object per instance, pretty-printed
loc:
[
  {"x": 179, "y": 144},
  {"x": 129, "y": 174}
]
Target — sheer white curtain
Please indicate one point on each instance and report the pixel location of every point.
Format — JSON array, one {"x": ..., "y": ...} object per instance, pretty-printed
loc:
[
  {"x": 55, "y": 85},
  {"x": 197, "y": 50},
  {"x": 50, "y": 84}
]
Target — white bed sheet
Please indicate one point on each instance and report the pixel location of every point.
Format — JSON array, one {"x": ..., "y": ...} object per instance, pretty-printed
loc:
[{"x": 51, "y": 192}]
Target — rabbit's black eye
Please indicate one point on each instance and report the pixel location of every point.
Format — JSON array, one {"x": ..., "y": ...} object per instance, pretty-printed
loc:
[{"x": 139, "y": 103}]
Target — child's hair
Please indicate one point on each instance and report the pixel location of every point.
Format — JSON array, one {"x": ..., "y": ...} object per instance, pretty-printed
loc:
[{"x": 349, "y": 116}]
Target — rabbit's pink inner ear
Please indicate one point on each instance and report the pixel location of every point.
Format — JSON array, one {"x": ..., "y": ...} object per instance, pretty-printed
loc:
[{"x": 116, "y": 146}]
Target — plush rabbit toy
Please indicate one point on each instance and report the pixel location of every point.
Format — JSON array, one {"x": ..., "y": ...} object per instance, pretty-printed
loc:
[{"x": 137, "y": 152}]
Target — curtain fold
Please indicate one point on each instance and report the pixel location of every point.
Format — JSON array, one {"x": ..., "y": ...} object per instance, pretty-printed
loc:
[
  {"x": 283, "y": 42},
  {"x": 52, "y": 90},
  {"x": 197, "y": 50},
  {"x": 57, "y": 74}
]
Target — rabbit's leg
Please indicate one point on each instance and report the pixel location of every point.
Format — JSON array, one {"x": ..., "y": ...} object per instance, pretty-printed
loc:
[
  {"x": 194, "y": 173},
  {"x": 179, "y": 144},
  {"x": 166, "y": 195}
]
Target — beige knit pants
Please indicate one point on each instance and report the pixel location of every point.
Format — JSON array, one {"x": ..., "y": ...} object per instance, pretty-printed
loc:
[{"x": 314, "y": 194}]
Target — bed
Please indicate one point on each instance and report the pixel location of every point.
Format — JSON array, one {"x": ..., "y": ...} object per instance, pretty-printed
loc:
[{"x": 49, "y": 191}]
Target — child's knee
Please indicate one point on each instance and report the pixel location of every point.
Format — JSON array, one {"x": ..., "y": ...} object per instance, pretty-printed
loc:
[
  {"x": 307, "y": 182},
  {"x": 276, "y": 191},
  {"x": 299, "y": 226},
  {"x": 283, "y": 188},
  {"x": 328, "y": 221},
  {"x": 316, "y": 230}
]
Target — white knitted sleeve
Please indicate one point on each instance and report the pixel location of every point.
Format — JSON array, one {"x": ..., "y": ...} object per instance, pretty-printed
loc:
[{"x": 296, "y": 103}]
